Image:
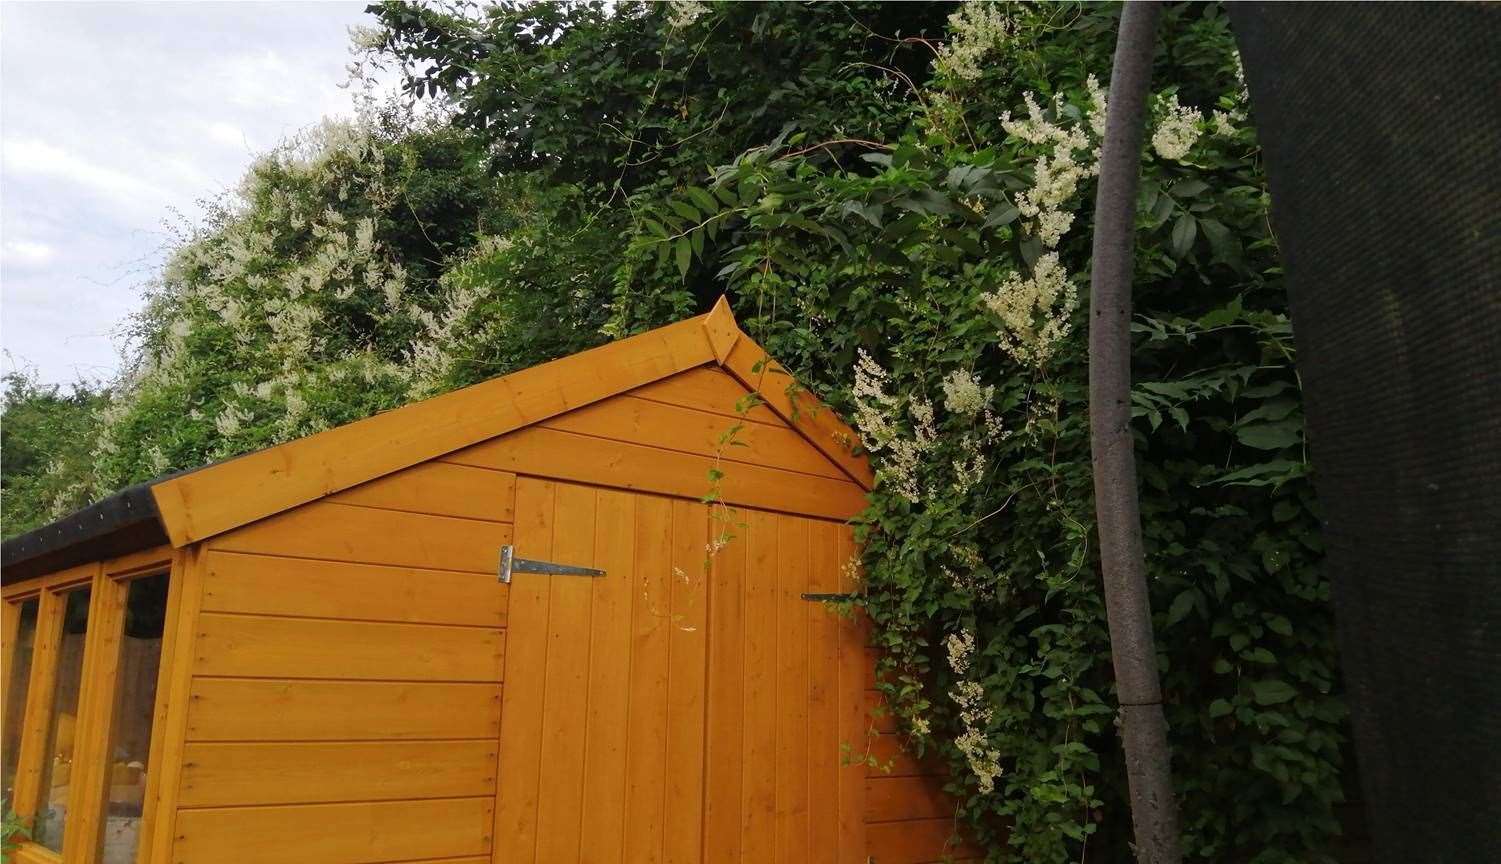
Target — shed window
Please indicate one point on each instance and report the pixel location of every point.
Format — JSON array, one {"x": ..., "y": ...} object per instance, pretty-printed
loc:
[
  {"x": 15, "y": 695},
  {"x": 135, "y": 703},
  {"x": 62, "y": 724}
]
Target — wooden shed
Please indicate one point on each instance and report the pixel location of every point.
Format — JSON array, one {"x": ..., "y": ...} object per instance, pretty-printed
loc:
[{"x": 310, "y": 654}]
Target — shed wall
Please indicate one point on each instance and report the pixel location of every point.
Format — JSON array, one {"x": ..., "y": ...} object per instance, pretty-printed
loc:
[
  {"x": 346, "y": 661},
  {"x": 346, "y": 678}
]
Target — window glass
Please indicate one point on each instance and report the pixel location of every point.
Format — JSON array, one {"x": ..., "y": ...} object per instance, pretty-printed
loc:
[
  {"x": 135, "y": 695},
  {"x": 57, "y": 760},
  {"x": 15, "y": 697}
]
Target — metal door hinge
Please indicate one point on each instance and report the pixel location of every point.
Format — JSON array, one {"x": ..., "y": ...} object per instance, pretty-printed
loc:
[
  {"x": 830, "y": 598},
  {"x": 509, "y": 564}
]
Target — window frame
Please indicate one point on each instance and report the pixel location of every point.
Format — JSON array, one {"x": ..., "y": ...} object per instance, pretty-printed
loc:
[{"x": 88, "y": 794}]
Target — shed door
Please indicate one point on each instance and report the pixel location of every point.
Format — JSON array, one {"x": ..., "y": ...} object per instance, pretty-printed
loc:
[{"x": 684, "y": 707}]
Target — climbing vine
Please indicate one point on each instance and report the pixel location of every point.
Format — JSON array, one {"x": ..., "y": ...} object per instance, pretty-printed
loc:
[{"x": 932, "y": 289}]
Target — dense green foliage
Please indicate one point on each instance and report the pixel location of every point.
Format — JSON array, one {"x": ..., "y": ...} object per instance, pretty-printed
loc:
[
  {"x": 44, "y": 438},
  {"x": 897, "y": 200}
]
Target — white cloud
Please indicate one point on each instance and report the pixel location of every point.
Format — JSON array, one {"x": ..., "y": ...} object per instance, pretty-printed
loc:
[
  {"x": 25, "y": 253},
  {"x": 227, "y": 134},
  {"x": 30, "y": 157},
  {"x": 159, "y": 106}
]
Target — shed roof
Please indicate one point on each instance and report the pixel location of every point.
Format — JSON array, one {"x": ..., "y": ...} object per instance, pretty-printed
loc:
[{"x": 192, "y": 506}]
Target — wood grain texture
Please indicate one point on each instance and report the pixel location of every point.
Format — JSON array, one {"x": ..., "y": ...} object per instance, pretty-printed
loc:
[
  {"x": 343, "y": 532},
  {"x": 261, "y": 647},
  {"x": 213, "y": 500},
  {"x": 711, "y": 389},
  {"x": 602, "y": 810},
  {"x": 853, "y": 847},
  {"x": 691, "y": 430},
  {"x": 578, "y": 458},
  {"x": 893, "y": 799},
  {"x": 758, "y": 796},
  {"x": 755, "y": 369},
  {"x": 439, "y": 489},
  {"x": 687, "y": 657},
  {"x": 526, "y": 670},
  {"x": 566, "y": 695},
  {"x": 793, "y": 691},
  {"x": 304, "y": 587},
  {"x": 823, "y": 694},
  {"x": 919, "y": 841},
  {"x": 725, "y": 760},
  {"x": 361, "y": 833},
  {"x": 652, "y": 630},
  {"x": 228, "y": 709},
  {"x": 602, "y": 756},
  {"x": 307, "y": 772}
]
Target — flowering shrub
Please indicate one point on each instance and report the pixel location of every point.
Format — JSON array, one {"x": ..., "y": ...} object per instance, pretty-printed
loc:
[{"x": 933, "y": 289}]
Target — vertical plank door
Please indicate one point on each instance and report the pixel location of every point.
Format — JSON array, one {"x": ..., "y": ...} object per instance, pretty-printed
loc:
[{"x": 689, "y": 706}]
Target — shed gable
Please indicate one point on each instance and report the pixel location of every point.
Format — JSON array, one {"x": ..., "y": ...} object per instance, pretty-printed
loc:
[
  {"x": 202, "y": 504},
  {"x": 666, "y": 437}
]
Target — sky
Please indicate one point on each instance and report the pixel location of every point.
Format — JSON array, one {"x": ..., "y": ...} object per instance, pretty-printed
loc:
[{"x": 113, "y": 117}]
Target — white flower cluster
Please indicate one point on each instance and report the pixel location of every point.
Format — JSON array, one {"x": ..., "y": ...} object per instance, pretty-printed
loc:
[
  {"x": 976, "y": 29},
  {"x": 1060, "y": 168},
  {"x": 430, "y": 359},
  {"x": 960, "y": 646},
  {"x": 681, "y": 13},
  {"x": 975, "y": 714},
  {"x": 1177, "y": 129},
  {"x": 963, "y": 395},
  {"x": 882, "y": 416},
  {"x": 877, "y": 413},
  {"x": 1034, "y": 312}
]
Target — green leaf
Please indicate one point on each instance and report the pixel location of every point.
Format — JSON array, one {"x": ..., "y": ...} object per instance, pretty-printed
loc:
[
  {"x": 1280, "y": 624},
  {"x": 1184, "y": 232},
  {"x": 1272, "y": 692},
  {"x": 1002, "y": 215},
  {"x": 684, "y": 256},
  {"x": 1261, "y": 655},
  {"x": 1189, "y": 188},
  {"x": 703, "y": 199},
  {"x": 1270, "y": 436},
  {"x": 684, "y": 209},
  {"x": 1182, "y": 605},
  {"x": 1286, "y": 510},
  {"x": 1219, "y": 708}
]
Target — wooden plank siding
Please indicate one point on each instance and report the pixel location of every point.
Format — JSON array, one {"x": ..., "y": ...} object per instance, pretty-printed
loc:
[
  {"x": 783, "y": 704},
  {"x": 601, "y": 755},
  {"x": 345, "y": 678},
  {"x": 665, "y": 438}
]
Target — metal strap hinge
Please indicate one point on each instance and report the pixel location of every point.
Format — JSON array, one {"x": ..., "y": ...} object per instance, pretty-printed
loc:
[
  {"x": 509, "y": 564},
  {"x": 830, "y": 598}
]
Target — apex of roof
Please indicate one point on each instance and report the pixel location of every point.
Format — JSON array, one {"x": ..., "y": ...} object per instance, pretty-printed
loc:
[{"x": 213, "y": 500}]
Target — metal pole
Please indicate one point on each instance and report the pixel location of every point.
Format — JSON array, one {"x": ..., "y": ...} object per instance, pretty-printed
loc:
[{"x": 1154, "y": 809}]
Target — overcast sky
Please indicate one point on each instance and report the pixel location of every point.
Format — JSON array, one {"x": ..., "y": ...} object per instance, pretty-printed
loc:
[{"x": 114, "y": 114}]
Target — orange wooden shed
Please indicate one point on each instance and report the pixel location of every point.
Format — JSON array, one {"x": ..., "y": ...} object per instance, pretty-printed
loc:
[{"x": 308, "y": 654}]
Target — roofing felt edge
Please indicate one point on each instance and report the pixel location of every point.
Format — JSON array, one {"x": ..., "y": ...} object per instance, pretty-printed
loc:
[{"x": 156, "y": 512}]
